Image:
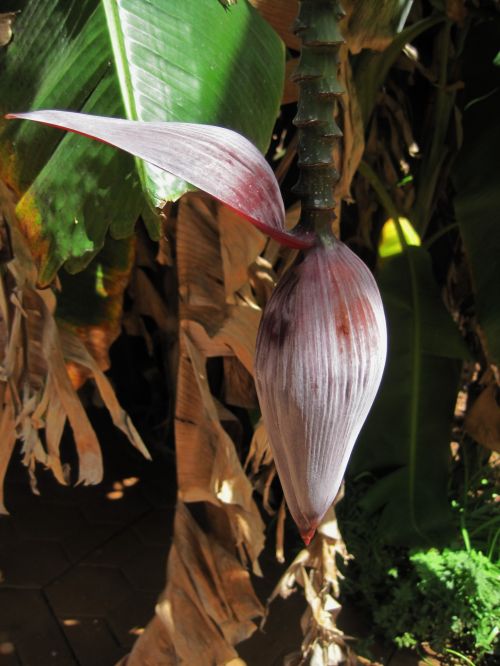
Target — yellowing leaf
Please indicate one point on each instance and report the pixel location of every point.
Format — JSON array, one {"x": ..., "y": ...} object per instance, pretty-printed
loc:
[
  {"x": 390, "y": 243},
  {"x": 36, "y": 389}
]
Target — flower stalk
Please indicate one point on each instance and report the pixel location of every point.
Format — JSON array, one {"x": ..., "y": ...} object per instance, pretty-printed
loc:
[
  {"x": 321, "y": 345},
  {"x": 317, "y": 26}
]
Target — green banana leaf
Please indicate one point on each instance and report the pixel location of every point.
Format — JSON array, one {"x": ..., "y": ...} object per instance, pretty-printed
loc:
[
  {"x": 475, "y": 175},
  {"x": 184, "y": 60},
  {"x": 405, "y": 442},
  {"x": 91, "y": 302},
  {"x": 70, "y": 194},
  {"x": 190, "y": 60}
]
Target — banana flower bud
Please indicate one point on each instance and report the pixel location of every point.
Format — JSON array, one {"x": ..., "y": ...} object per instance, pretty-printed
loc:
[
  {"x": 320, "y": 356},
  {"x": 322, "y": 340}
]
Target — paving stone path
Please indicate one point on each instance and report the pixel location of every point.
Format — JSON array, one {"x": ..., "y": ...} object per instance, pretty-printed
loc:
[{"x": 81, "y": 568}]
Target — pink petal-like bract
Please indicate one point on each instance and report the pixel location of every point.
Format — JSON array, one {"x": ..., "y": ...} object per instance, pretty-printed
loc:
[
  {"x": 215, "y": 159},
  {"x": 320, "y": 356}
]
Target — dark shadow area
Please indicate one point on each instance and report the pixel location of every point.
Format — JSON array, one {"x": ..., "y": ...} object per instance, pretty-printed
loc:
[{"x": 81, "y": 567}]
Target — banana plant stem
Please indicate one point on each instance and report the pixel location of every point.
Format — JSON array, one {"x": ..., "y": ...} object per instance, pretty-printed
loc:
[{"x": 317, "y": 26}]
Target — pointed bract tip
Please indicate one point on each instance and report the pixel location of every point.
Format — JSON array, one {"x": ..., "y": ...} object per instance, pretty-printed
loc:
[{"x": 308, "y": 535}]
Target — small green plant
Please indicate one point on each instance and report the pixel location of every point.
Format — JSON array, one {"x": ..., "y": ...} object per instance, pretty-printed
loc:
[
  {"x": 446, "y": 596},
  {"x": 450, "y": 599}
]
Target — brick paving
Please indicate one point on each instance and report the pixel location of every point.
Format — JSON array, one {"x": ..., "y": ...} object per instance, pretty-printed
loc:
[{"x": 81, "y": 568}]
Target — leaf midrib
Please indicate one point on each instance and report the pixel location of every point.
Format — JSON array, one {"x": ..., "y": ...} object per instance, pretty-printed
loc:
[{"x": 119, "y": 48}]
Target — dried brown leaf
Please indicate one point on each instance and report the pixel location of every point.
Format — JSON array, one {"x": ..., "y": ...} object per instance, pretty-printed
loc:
[
  {"x": 164, "y": 256},
  {"x": 6, "y": 22},
  {"x": 371, "y": 25},
  {"x": 195, "y": 637},
  {"x": 87, "y": 444},
  {"x": 153, "y": 647},
  {"x": 195, "y": 458},
  {"x": 13, "y": 359},
  {"x": 7, "y": 442},
  {"x": 260, "y": 451},
  {"x": 54, "y": 428},
  {"x": 262, "y": 279},
  {"x": 36, "y": 364},
  {"x": 239, "y": 595},
  {"x": 281, "y": 15},
  {"x": 4, "y": 323},
  {"x": 240, "y": 244},
  {"x": 482, "y": 421},
  {"x": 262, "y": 468},
  {"x": 27, "y": 425},
  {"x": 6, "y": 253},
  {"x": 74, "y": 350},
  {"x": 315, "y": 570},
  {"x": 114, "y": 269},
  {"x": 349, "y": 151},
  {"x": 22, "y": 267},
  {"x": 35, "y": 381},
  {"x": 239, "y": 332},
  {"x": 321, "y": 605},
  {"x": 456, "y": 11},
  {"x": 239, "y": 386},
  {"x": 208, "y": 604},
  {"x": 199, "y": 259},
  {"x": 230, "y": 423},
  {"x": 228, "y": 482},
  {"x": 203, "y": 445},
  {"x": 147, "y": 301},
  {"x": 235, "y": 337},
  {"x": 221, "y": 583},
  {"x": 291, "y": 89},
  {"x": 291, "y": 220},
  {"x": 280, "y": 533}
]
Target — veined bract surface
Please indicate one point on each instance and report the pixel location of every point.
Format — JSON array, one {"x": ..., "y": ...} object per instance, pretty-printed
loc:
[
  {"x": 320, "y": 356},
  {"x": 322, "y": 341}
]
